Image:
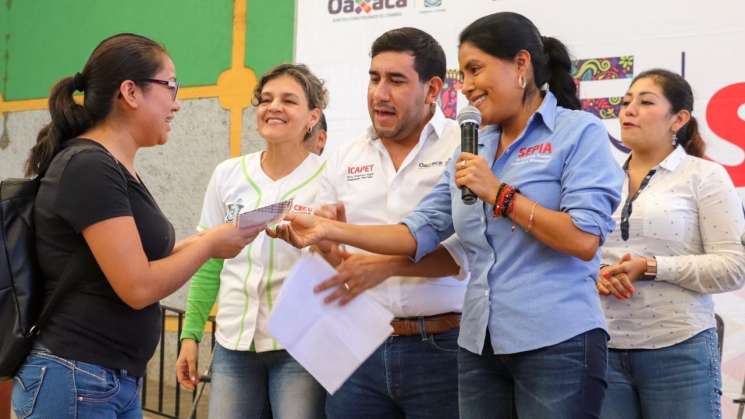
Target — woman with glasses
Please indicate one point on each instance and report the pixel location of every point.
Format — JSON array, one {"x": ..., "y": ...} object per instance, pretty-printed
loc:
[
  {"x": 679, "y": 241},
  {"x": 252, "y": 375},
  {"x": 98, "y": 224},
  {"x": 532, "y": 338}
]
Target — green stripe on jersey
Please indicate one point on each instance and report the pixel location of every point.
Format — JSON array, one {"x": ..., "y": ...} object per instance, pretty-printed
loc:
[{"x": 304, "y": 183}]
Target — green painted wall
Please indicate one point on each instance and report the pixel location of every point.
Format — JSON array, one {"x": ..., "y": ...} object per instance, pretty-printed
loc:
[
  {"x": 4, "y": 35},
  {"x": 270, "y": 34},
  {"x": 44, "y": 40}
]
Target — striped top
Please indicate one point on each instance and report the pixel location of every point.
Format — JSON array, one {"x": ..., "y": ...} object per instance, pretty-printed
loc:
[{"x": 247, "y": 286}]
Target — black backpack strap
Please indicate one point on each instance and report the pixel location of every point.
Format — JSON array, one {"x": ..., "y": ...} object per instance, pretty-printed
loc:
[
  {"x": 69, "y": 276},
  {"x": 67, "y": 281}
]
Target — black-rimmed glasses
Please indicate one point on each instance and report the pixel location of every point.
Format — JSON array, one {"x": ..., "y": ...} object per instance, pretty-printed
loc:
[{"x": 171, "y": 84}]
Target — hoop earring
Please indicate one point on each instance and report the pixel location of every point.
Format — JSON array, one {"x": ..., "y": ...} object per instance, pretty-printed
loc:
[
  {"x": 675, "y": 139},
  {"x": 521, "y": 81}
]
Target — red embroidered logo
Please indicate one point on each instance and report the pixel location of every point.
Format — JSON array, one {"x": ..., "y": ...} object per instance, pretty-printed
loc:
[
  {"x": 302, "y": 208},
  {"x": 536, "y": 149},
  {"x": 360, "y": 172},
  {"x": 353, "y": 170}
]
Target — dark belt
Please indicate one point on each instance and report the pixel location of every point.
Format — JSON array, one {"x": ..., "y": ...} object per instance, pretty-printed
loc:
[{"x": 430, "y": 325}]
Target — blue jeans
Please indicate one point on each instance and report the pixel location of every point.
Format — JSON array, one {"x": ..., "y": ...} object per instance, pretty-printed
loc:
[
  {"x": 563, "y": 381},
  {"x": 406, "y": 377},
  {"x": 48, "y": 386},
  {"x": 681, "y": 381},
  {"x": 262, "y": 385}
]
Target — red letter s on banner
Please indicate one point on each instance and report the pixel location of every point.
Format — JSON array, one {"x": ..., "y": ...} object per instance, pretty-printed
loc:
[{"x": 723, "y": 120}]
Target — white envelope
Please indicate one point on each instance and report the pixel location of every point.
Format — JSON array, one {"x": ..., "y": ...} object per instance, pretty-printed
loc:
[{"x": 263, "y": 216}]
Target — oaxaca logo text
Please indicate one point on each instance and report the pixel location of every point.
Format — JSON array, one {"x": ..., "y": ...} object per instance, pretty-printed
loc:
[{"x": 359, "y": 6}]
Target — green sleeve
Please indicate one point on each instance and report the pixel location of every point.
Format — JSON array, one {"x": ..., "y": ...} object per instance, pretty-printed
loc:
[{"x": 202, "y": 295}]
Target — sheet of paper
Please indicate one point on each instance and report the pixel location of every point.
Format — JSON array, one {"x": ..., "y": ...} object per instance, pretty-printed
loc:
[
  {"x": 263, "y": 216},
  {"x": 330, "y": 341}
]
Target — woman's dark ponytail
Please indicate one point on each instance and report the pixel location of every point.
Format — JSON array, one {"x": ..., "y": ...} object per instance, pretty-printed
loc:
[
  {"x": 68, "y": 121},
  {"x": 559, "y": 72},
  {"x": 690, "y": 138}
]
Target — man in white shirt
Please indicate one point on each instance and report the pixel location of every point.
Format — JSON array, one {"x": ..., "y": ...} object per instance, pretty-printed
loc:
[{"x": 379, "y": 178}]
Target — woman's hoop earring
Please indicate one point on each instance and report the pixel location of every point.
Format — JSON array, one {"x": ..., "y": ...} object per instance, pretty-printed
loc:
[{"x": 521, "y": 81}]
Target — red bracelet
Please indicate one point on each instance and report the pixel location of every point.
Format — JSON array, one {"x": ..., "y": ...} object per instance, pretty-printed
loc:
[
  {"x": 509, "y": 200},
  {"x": 499, "y": 192},
  {"x": 511, "y": 205},
  {"x": 504, "y": 198},
  {"x": 497, "y": 212}
]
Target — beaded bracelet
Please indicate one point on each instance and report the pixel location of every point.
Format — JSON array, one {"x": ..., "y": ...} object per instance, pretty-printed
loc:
[
  {"x": 499, "y": 191},
  {"x": 503, "y": 204},
  {"x": 508, "y": 200},
  {"x": 499, "y": 202}
]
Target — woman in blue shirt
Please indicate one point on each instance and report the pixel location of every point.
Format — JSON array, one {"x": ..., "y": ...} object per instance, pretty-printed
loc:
[{"x": 533, "y": 337}]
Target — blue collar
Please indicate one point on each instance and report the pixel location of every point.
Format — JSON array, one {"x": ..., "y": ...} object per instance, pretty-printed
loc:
[{"x": 546, "y": 114}]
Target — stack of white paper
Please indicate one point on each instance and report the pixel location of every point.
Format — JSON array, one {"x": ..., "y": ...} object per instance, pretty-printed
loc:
[{"x": 328, "y": 340}]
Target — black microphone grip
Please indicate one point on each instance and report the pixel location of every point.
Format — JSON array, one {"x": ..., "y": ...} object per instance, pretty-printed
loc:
[{"x": 469, "y": 138}]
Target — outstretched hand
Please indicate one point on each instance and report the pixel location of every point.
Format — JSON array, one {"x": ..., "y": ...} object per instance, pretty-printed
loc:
[
  {"x": 302, "y": 230},
  {"x": 227, "y": 240}
]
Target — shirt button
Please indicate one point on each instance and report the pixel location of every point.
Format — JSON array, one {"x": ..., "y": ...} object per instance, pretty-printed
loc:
[{"x": 486, "y": 293}]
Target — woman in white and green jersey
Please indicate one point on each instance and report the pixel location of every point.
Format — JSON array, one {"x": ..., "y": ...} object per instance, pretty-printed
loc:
[{"x": 251, "y": 372}]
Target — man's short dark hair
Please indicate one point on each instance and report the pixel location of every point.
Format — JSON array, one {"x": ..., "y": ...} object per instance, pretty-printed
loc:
[{"x": 429, "y": 58}]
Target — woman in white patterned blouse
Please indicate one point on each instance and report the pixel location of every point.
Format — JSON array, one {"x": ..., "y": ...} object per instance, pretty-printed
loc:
[{"x": 677, "y": 242}]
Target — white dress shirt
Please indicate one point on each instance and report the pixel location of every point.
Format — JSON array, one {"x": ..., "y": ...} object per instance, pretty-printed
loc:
[
  {"x": 690, "y": 219},
  {"x": 361, "y": 175}
]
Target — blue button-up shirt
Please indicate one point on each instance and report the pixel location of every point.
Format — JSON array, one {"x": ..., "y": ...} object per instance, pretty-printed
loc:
[{"x": 527, "y": 294}]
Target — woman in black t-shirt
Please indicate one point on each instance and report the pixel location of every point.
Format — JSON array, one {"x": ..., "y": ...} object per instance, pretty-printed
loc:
[{"x": 95, "y": 217}]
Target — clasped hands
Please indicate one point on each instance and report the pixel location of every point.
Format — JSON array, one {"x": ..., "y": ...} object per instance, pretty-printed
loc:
[{"x": 618, "y": 279}]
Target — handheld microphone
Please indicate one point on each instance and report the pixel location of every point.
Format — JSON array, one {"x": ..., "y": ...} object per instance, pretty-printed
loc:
[{"x": 469, "y": 120}]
